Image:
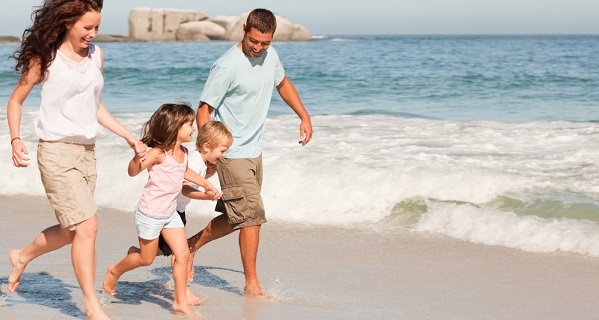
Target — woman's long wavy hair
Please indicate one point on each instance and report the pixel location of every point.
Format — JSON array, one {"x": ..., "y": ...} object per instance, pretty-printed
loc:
[
  {"x": 42, "y": 40},
  {"x": 163, "y": 127}
]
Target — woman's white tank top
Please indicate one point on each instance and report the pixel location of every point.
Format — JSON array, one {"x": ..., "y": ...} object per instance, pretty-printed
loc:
[{"x": 70, "y": 99}]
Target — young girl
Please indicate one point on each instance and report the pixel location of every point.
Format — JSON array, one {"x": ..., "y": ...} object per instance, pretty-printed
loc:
[
  {"x": 56, "y": 53},
  {"x": 212, "y": 142},
  {"x": 169, "y": 127}
]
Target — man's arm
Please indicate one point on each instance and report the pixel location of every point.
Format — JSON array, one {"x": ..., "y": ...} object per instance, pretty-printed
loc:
[
  {"x": 203, "y": 114},
  {"x": 292, "y": 99}
]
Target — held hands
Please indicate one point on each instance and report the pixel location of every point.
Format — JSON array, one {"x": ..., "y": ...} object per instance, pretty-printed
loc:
[
  {"x": 20, "y": 155},
  {"x": 139, "y": 148},
  {"x": 212, "y": 191},
  {"x": 214, "y": 195}
]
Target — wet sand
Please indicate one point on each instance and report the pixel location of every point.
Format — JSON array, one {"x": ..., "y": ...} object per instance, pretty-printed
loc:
[{"x": 315, "y": 272}]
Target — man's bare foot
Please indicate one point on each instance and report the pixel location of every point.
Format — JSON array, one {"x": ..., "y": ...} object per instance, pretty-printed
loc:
[
  {"x": 132, "y": 249},
  {"x": 110, "y": 280},
  {"x": 255, "y": 291},
  {"x": 192, "y": 299},
  {"x": 185, "y": 309},
  {"x": 17, "y": 270},
  {"x": 96, "y": 314}
]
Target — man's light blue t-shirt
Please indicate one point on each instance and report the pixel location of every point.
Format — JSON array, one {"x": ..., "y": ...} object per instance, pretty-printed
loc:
[{"x": 240, "y": 89}]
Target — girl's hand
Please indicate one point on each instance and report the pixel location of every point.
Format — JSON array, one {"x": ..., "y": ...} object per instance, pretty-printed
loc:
[{"x": 19, "y": 154}]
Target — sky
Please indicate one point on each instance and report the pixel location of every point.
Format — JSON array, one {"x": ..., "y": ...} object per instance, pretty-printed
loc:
[{"x": 347, "y": 17}]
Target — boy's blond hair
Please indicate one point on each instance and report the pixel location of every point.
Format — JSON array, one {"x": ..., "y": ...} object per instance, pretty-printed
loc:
[{"x": 215, "y": 134}]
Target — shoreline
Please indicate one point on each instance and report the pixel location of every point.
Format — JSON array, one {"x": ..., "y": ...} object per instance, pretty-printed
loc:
[{"x": 315, "y": 272}]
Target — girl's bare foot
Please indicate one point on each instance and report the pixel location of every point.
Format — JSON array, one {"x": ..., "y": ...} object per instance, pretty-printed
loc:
[
  {"x": 192, "y": 299},
  {"x": 17, "y": 270},
  {"x": 185, "y": 309},
  {"x": 110, "y": 280}
]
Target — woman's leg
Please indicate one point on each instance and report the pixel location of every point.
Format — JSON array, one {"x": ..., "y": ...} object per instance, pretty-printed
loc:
[
  {"x": 48, "y": 240},
  {"x": 83, "y": 257}
]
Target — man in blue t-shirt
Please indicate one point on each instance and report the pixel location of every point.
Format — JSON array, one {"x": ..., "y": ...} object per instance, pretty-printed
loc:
[{"x": 238, "y": 92}]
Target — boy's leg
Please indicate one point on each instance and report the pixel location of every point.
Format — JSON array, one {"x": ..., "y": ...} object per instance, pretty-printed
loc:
[
  {"x": 145, "y": 257},
  {"x": 216, "y": 228}
]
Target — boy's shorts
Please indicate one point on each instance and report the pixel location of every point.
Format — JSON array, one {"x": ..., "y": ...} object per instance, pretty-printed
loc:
[
  {"x": 241, "y": 182},
  {"x": 68, "y": 173},
  {"x": 162, "y": 245},
  {"x": 149, "y": 228}
]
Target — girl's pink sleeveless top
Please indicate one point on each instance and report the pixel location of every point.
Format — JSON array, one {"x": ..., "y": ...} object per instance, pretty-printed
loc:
[{"x": 165, "y": 180}]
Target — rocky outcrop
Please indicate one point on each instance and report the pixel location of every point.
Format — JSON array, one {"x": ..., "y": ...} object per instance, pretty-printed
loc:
[
  {"x": 9, "y": 39},
  {"x": 110, "y": 38},
  {"x": 147, "y": 24}
]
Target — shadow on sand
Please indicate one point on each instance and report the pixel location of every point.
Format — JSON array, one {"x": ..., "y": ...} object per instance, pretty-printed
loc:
[{"x": 45, "y": 290}]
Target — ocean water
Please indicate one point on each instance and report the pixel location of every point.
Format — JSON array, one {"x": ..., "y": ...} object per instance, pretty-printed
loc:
[{"x": 487, "y": 139}]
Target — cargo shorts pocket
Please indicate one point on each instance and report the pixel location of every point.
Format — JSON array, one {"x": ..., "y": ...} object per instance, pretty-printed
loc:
[{"x": 235, "y": 203}]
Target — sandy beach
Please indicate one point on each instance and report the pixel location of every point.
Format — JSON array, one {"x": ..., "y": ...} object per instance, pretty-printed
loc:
[{"x": 315, "y": 272}]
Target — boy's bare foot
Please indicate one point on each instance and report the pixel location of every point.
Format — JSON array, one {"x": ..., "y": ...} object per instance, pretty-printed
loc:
[
  {"x": 190, "y": 270},
  {"x": 185, "y": 309},
  {"x": 255, "y": 291},
  {"x": 192, "y": 299},
  {"x": 17, "y": 270},
  {"x": 110, "y": 280},
  {"x": 132, "y": 249}
]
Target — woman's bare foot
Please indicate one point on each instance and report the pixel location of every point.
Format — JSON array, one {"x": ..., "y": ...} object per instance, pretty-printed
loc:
[
  {"x": 110, "y": 280},
  {"x": 185, "y": 309},
  {"x": 96, "y": 314},
  {"x": 17, "y": 270},
  {"x": 192, "y": 299},
  {"x": 255, "y": 291}
]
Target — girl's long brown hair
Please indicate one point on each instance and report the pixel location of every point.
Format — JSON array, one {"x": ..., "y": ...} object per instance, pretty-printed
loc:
[
  {"x": 43, "y": 38},
  {"x": 163, "y": 127}
]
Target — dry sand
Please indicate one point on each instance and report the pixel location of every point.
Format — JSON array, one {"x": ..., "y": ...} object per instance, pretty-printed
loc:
[{"x": 316, "y": 272}]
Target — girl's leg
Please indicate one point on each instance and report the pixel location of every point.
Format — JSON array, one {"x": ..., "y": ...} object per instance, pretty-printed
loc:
[
  {"x": 177, "y": 240},
  {"x": 145, "y": 257},
  {"x": 83, "y": 258},
  {"x": 48, "y": 240}
]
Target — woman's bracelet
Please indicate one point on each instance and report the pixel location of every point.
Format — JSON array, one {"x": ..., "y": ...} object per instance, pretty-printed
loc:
[{"x": 13, "y": 139}]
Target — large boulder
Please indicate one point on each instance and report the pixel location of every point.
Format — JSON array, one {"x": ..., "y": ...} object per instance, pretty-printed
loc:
[
  {"x": 200, "y": 30},
  {"x": 285, "y": 29},
  {"x": 224, "y": 21},
  {"x": 147, "y": 24}
]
